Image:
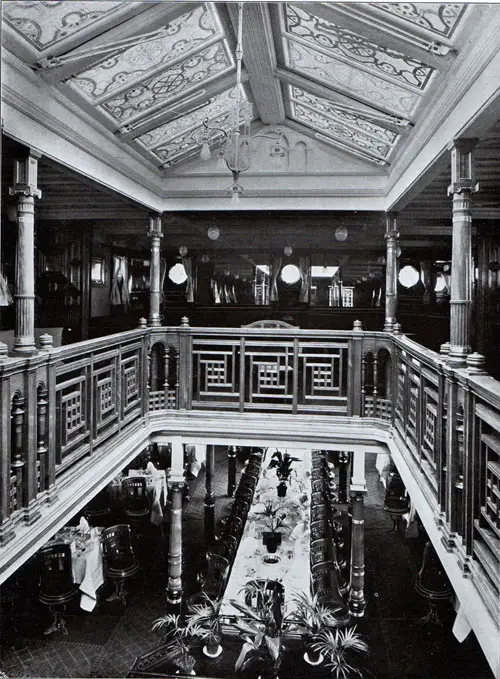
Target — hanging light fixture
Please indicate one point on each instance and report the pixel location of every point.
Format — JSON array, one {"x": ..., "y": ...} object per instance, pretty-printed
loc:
[
  {"x": 213, "y": 232},
  {"x": 236, "y": 150},
  {"x": 183, "y": 250},
  {"x": 288, "y": 250},
  {"x": 341, "y": 233}
]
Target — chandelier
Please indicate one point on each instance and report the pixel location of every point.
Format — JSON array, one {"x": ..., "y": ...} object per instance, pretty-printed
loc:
[{"x": 235, "y": 151}]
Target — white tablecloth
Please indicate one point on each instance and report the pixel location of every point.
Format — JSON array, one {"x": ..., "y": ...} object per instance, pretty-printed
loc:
[
  {"x": 293, "y": 568},
  {"x": 156, "y": 484}
]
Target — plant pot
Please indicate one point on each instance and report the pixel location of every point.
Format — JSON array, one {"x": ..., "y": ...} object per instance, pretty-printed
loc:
[
  {"x": 212, "y": 649},
  {"x": 271, "y": 541},
  {"x": 313, "y": 657},
  {"x": 282, "y": 488}
]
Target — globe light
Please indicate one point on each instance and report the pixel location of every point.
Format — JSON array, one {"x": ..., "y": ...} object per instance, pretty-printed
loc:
[{"x": 213, "y": 232}]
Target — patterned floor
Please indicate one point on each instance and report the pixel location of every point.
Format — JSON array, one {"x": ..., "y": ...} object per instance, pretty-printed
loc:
[{"x": 105, "y": 643}]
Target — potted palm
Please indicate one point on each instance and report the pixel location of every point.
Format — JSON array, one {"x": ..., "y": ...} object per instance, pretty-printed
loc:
[
  {"x": 309, "y": 619},
  {"x": 178, "y": 637},
  {"x": 339, "y": 646},
  {"x": 272, "y": 537},
  {"x": 205, "y": 622},
  {"x": 282, "y": 463},
  {"x": 260, "y": 628}
]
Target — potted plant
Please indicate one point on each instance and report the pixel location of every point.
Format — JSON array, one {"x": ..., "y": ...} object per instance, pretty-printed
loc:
[
  {"x": 178, "y": 637},
  {"x": 309, "y": 619},
  {"x": 260, "y": 628},
  {"x": 282, "y": 463},
  {"x": 339, "y": 647},
  {"x": 205, "y": 622},
  {"x": 272, "y": 537}
]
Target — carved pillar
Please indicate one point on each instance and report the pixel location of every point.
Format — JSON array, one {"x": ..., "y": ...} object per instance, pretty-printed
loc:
[
  {"x": 231, "y": 470},
  {"x": 343, "y": 476},
  {"x": 17, "y": 461},
  {"x": 174, "y": 587},
  {"x": 357, "y": 602},
  {"x": 41, "y": 437},
  {"x": 155, "y": 236},
  {"x": 391, "y": 272},
  {"x": 209, "y": 494},
  {"x": 25, "y": 189},
  {"x": 462, "y": 186}
]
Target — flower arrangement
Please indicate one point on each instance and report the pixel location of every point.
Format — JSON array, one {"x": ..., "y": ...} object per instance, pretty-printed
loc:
[
  {"x": 272, "y": 517},
  {"x": 282, "y": 463}
]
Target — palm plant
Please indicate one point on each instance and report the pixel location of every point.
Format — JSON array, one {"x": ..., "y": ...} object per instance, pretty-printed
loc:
[
  {"x": 338, "y": 645},
  {"x": 309, "y": 619},
  {"x": 178, "y": 637},
  {"x": 283, "y": 464},
  {"x": 205, "y": 622},
  {"x": 271, "y": 516},
  {"x": 260, "y": 628}
]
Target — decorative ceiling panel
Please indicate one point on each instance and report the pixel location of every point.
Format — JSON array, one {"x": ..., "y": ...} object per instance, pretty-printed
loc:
[
  {"x": 178, "y": 79},
  {"x": 344, "y": 44},
  {"x": 350, "y": 79},
  {"x": 215, "y": 107},
  {"x": 341, "y": 115},
  {"x": 433, "y": 16},
  {"x": 44, "y": 23},
  {"x": 189, "y": 32}
]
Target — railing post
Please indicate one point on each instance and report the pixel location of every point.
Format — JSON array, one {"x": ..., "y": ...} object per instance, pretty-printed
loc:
[
  {"x": 185, "y": 365},
  {"x": 31, "y": 506},
  {"x": 6, "y": 526},
  {"x": 355, "y": 360},
  {"x": 449, "y": 527},
  {"x": 231, "y": 470}
]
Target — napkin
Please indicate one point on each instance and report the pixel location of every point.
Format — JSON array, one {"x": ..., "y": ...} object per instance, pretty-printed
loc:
[
  {"x": 83, "y": 526},
  {"x": 150, "y": 468}
]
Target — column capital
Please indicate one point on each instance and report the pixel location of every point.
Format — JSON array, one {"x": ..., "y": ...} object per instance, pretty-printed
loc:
[
  {"x": 25, "y": 181},
  {"x": 27, "y": 191},
  {"x": 154, "y": 229},
  {"x": 462, "y": 166}
]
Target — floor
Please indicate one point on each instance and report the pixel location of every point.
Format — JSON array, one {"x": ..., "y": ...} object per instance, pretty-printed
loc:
[{"x": 106, "y": 642}]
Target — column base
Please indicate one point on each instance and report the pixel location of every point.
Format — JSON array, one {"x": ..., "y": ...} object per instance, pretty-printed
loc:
[
  {"x": 457, "y": 358},
  {"x": 154, "y": 321},
  {"x": 357, "y": 608},
  {"x": 174, "y": 596},
  {"x": 7, "y": 532},
  {"x": 32, "y": 512},
  {"x": 24, "y": 349}
]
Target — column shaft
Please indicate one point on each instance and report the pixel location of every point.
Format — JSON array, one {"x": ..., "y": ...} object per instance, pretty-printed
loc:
[
  {"x": 391, "y": 272},
  {"x": 174, "y": 587},
  {"x": 231, "y": 470},
  {"x": 155, "y": 236},
  {"x": 24, "y": 339},
  {"x": 357, "y": 602},
  {"x": 209, "y": 494}
]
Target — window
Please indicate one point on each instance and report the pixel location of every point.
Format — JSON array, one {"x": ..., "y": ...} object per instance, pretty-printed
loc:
[
  {"x": 98, "y": 271},
  {"x": 177, "y": 274}
]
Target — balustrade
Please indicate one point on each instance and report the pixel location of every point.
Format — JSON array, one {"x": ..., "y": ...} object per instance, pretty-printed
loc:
[{"x": 61, "y": 405}]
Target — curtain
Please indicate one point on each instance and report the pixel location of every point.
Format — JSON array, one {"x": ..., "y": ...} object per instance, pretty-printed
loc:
[
  {"x": 275, "y": 271},
  {"x": 214, "y": 284},
  {"x": 5, "y": 296},
  {"x": 120, "y": 282},
  {"x": 305, "y": 279},
  {"x": 190, "y": 283}
]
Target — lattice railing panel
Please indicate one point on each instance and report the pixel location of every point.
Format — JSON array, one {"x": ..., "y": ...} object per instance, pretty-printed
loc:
[
  {"x": 215, "y": 371},
  {"x": 323, "y": 370}
]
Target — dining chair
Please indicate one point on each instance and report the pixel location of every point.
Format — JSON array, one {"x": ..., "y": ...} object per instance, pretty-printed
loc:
[
  {"x": 136, "y": 504},
  {"x": 119, "y": 560},
  {"x": 98, "y": 510},
  {"x": 56, "y": 583},
  {"x": 318, "y": 529},
  {"x": 318, "y": 551},
  {"x": 227, "y": 547},
  {"x": 318, "y": 512}
]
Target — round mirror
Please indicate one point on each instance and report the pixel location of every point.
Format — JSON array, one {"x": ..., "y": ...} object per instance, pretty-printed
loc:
[
  {"x": 290, "y": 274},
  {"x": 408, "y": 276},
  {"x": 177, "y": 274}
]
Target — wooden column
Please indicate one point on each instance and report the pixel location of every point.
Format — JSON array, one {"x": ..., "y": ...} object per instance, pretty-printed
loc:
[
  {"x": 357, "y": 602},
  {"x": 25, "y": 189},
  {"x": 41, "y": 431},
  {"x": 343, "y": 476},
  {"x": 231, "y": 470},
  {"x": 209, "y": 494},
  {"x": 391, "y": 272},
  {"x": 174, "y": 587},
  {"x": 462, "y": 186},
  {"x": 155, "y": 236}
]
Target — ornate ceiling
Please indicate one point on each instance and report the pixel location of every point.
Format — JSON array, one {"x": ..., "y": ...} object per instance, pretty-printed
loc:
[{"x": 349, "y": 77}]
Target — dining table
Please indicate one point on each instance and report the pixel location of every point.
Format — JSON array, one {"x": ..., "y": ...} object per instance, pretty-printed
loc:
[
  {"x": 86, "y": 560},
  {"x": 290, "y": 563},
  {"x": 156, "y": 487}
]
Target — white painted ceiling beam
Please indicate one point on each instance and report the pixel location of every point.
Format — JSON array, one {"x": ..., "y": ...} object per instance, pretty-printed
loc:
[{"x": 259, "y": 58}]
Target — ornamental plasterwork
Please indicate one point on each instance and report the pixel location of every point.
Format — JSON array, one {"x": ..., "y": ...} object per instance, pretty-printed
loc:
[
  {"x": 180, "y": 78},
  {"x": 186, "y": 33},
  {"x": 44, "y": 23},
  {"x": 216, "y": 106},
  {"x": 188, "y": 143},
  {"x": 338, "y": 130},
  {"x": 340, "y": 42},
  {"x": 350, "y": 118},
  {"x": 350, "y": 79},
  {"x": 433, "y": 16}
]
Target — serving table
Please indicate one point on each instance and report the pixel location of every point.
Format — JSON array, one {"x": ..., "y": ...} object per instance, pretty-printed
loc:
[{"x": 290, "y": 563}]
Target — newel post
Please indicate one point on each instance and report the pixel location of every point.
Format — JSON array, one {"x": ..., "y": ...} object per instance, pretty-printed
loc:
[
  {"x": 185, "y": 366},
  {"x": 355, "y": 370},
  {"x": 155, "y": 236}
]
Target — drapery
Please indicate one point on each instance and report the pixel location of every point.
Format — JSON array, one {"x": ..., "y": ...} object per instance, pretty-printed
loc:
[
  {"x": 216, "y": 292},
  {"x": 275, "y": 272},
  {"x": 305, "y": 278},
  {"x": 5, "y": 296},
  {"x": 120, "y": 282},
  {"x": 190, "y": 283}
]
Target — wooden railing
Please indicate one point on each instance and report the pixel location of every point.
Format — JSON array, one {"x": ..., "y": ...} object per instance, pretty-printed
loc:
[{"x": 63, "y": 404}]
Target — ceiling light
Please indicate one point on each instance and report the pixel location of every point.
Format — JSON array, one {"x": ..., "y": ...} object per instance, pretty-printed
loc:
[
  {"x": 341, "y": 233},
  {"x": 205, "y": 258},
  {"x": 183, "y": 250},
  {"x": 288, "y": 250},
  {"x": 236, "y": 150},
  {"x": 213, "y": 232}
]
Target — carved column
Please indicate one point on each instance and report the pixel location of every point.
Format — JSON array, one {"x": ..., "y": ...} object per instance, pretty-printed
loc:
[
  {"x": 357, "y": 602},
  {"x": 25, "y": 189},
  {"x": 343, "y": 476},
  {"x": 209, "y": 494},
  {"x": 391, "y": 272},
  {"x": 41, "y": 437},
  {"x": 231, "y": 470},
  {"x": 174, "y": 587},
  {"x": 462, "y": 186},
  {"x": 155, "y": 236}
]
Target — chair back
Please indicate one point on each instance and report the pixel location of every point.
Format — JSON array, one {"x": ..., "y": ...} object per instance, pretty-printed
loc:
[
  {"x": 56, "y": 577},
  {"x": 318, "y": 512},
  {"x": 117, "y": 544},
  {"x": 234, "y": 526},
  {"x": 227, "y": 548},
  {"x": 217, "y": 573},
  {"x": 317, "y": 529},
  {"x": 135, "y": 494},
  {"x": 240, "y": 509},
  {"x": 319, "y": 551}
]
